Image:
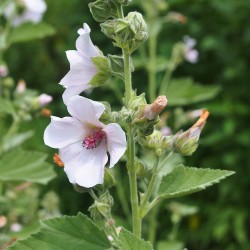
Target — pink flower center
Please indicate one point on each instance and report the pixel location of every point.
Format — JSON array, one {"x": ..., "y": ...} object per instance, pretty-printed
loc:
[{"x": 94, "y": 140}]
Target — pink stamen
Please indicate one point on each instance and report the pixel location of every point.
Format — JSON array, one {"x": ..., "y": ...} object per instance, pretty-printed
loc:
[{"x": 94, "y": 140}]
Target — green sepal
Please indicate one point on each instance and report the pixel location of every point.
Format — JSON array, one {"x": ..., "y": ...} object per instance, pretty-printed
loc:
[
  {"x": 103, "y": 73},
  {"x": 102, "y": 10}
]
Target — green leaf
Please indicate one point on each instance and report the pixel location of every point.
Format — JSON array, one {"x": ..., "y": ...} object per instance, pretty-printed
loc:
[
  {"x": 128, "y": 241},
  {"x": 185, "y": 91},
  {"x": 22, "y": 165},
  {"x": 30, "y": 31},
  {"x": 17, "y": 140},
  {"x": 170, "y": 245},
  {"x": 66, "y": 233},
  {"x": 186, "y": 180},
  {"x": 6, "y": 107},
  {"x": 3, "y": 5}
]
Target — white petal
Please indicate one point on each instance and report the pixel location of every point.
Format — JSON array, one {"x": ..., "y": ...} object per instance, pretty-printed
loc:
[
  {"x": 63, "y": 131},
  {"x": 87, "y": 168},
  {"x": 72, "y": 91},
  {"x": 86, "y": 110},
  {"x": 192, "y": 56},
  {"x": 38, "y": 6},
  {"x": 116, "y": 140},
  {"x": 81, "y": 70},
  {"x": 84, "y": 44}
]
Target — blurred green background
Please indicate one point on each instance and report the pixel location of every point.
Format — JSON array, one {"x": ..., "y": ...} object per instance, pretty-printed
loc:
[{"x": 222, "y": 31}]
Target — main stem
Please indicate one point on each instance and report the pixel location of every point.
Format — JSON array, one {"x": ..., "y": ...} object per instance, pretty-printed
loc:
[{"x": 131, "y": 152}]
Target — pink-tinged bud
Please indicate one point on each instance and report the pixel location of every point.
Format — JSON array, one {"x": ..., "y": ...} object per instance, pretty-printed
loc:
[
  {"x": 186, "y": 142},
  {"x": 151, "y": 111},
  {"x": 44, "y": 99},
  {"x": 3, "y": 221},
  {"x": 21, "y": 86},
  {"x": 177, "y": 17},
  {"x": 3, "y": 70}
]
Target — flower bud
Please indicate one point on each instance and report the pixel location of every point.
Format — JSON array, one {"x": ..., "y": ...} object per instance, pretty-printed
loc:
[
  {"x": 44, "y": 99},
  {"x": 124, "y": 2},
  {"x": 186, "y": 142},
  {"x": 99, "y": 211},
  {"x": 21, "y": 86},
  {"x": 3, "y": 70},
  {"x": 151, "y": 111},
  {"x": 102, "y": 10},
  {"x": 8, "y": 82},
  {"x": 106, "y": 198}
]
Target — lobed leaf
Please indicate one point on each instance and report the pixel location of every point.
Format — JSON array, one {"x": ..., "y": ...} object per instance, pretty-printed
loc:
[
  {"x": 128, "y": 241},
  {"x": 66, "y": 233},
  {"x": 186, "y": 180},
  {"x": 22, "y": 165}
]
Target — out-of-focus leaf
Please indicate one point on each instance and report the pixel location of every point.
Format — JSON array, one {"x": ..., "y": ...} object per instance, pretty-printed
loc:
[
  {"x": 3, "y": 5},
  {"x": 17, "y": 140},
  {"x": 185, "y": 91},
  {"x": 30, "y": 31},
  {"x": 3, "y": 43},
  {"x": 21, "y": 165},
  {"x": 6, "y": 107},
  {"x": 67, "y": 232},
  {"x": 170, "y": 245},
  {"x": 187, "y": 180},
  {"x": 128, "y": 241}
]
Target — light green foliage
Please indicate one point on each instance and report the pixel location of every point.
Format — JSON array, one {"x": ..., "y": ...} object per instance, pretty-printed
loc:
[
  {"x": 6, "y": 106},
  {"x": 30, "y": 31},
  {"x": 187, "y": 180},
  {"x": 66, "y": 233},
  {"x": 128, "y": 241},
  {"x": 22, "y": 165},
  {"x": 185, "y": 91},
  {"x": 170, "y": 245}
]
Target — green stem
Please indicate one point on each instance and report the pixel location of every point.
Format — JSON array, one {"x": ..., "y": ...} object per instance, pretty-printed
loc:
[
  {"x": 150, "y": 187},
  {"x": 151, "y": 68},
  {"x": 153, "y": 224},
  {"x": 166, "y": 80},
  {"x": 131, "y": 152}
]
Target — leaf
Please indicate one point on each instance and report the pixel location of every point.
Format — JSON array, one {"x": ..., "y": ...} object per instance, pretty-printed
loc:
[
  {"x": 22, "y": 165},
  {"x": 66, "y": 233},
  {"x": 30, "y": 31},
  {"x": 17, "y": 140},
  {"x": 186, "y": 180},
  {"x": 170, "y": 245},
  {"x": 128, "y": 241},
  {"x": 6, "y": 107},
  {"x": 3, "y": 5},
  {"x": 185, "y": 91}
]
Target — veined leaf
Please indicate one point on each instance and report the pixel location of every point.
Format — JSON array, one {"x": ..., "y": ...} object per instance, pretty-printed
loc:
[
  {"x": 185, "y": 91},
  {"x": 186, "y": 180},
  {"x": 29, "y": 31},
  {"x": 22, "y": 165},
  {"x": 66, "y": 233},
  {"x": 128, "y": 241}
]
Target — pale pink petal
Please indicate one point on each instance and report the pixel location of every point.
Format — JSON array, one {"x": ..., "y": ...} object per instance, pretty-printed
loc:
[
  {"x": 72, "y": 91},
  {"x": 84, "y": 44},
  {"x": 86, "y": 110},
  {"x": 38, "y": 6},
  {"x": 84, "y": 167},
  {"x": 81, "y": 70},
  {"x": 116, "y": 140},
  {"x": 192, "y": 56},
  {"x": 63, "y": 131}
]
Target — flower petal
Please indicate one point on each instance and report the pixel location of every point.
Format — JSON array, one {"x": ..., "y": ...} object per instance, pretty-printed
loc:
[
  {"x": 81, "y": 70},
  {"x": 87, "y": 169},
  {"x": 72, "y": 91},
  {"x": 86, "y": 110},
  {"x": 63, "y": 131},
  {"x": 38, "y": 6},
  {"x": 84, "y": 44},
  {"x": 116, "y": 140}
]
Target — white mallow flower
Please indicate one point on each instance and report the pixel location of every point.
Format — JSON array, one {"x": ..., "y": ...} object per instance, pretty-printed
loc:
[
  {"x": 83, "y": 141},
  {"x": 191, "y": 54},
  {"x": 82, "y": 68},
  {"x": 31, "y": 11}
]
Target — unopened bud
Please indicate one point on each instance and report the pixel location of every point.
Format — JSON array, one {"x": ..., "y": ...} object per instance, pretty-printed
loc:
[
  {"x": 57, "y": 160},
  {"x": 46, "y": 112},
  {"x": 3, "y": 70},
  {"x": 99, "y": 211},
  {"x": 8, "y": 82},
  {"x": 44, "y": 99},
  {"x": 151, "y": 111},
  {"x": 176, "y": 17},
  {"x": 124, "y": 2},
  {"x": 186, "y": 142},
  {"x": 21, "y": 86}
]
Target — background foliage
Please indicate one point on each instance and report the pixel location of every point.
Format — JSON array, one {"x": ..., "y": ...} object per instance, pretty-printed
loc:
[{"x": 222, "y": 31}]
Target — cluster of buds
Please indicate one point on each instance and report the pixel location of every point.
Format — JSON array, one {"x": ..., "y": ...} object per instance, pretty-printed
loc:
[
  {"x": 186, "y": 142},
  {"x": 101, "y": 208}
]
